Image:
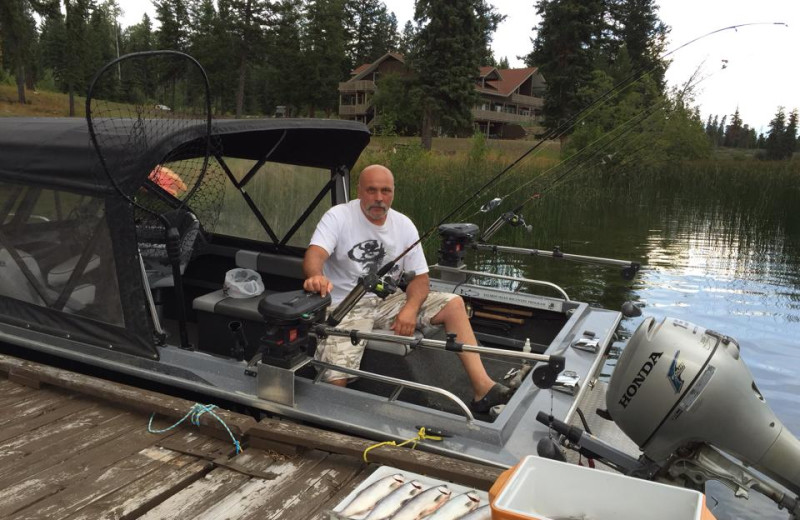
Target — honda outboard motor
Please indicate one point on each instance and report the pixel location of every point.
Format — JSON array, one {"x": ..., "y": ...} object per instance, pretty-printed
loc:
[{"x": 677, "y": 384}]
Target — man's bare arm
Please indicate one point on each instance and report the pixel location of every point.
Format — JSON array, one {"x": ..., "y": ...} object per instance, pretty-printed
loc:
[{"x": 313, "y": 261}]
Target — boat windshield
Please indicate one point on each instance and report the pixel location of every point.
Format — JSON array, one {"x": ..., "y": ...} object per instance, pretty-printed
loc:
[{"x": 282, "y": 194}]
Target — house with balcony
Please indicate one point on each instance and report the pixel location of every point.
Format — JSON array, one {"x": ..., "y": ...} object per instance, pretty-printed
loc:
[
  {"x": 356, "y": 94},
  {"x": 510, "y": 100}
]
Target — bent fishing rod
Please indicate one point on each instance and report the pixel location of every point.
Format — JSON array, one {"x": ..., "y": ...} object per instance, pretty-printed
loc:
[{"x": 361, "y": 288}]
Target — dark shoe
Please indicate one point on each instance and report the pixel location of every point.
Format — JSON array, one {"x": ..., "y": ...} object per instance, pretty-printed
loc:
[{"x": 498, "y": 394}]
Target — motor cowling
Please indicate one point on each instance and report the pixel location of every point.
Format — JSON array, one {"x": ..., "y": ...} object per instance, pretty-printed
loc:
[{"x": 677, "y": 383}]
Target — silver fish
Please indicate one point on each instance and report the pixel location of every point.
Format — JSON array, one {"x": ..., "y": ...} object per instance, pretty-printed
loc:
[
  {"x": 372, "y": 494},
  {"x": 457, "y": 507},
  {"x": 395, "y": 500},
  {"x": 482, "y": 513},
  {"x": 424, "y": 504}
]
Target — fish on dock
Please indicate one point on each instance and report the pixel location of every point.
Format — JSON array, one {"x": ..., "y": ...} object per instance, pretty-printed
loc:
[
  {"x": 389, "y": 505},
  {"x": 372, "y": 494},
  {"x": 457, "y": 507},
  {"x": 424, "y": 504}
]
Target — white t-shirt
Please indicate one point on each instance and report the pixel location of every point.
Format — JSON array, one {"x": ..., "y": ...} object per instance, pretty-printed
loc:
[{"x": 358, "y": 247}]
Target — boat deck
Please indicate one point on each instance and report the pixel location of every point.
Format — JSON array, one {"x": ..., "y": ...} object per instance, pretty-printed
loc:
[{"x": 74, "y": 446}]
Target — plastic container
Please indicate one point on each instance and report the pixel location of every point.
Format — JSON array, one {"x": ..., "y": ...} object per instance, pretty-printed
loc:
[{"x": 544, "y": 489}]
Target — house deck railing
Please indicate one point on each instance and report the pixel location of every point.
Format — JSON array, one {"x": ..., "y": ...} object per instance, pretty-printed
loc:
[
  {"x": 503, "y": 117},
  {"x": 354, "y": 110},
  {"x": 362, "y": 85}
]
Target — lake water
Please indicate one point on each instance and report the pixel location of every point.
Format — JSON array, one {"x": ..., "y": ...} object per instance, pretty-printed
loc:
[{"x": 706, "y": 259}]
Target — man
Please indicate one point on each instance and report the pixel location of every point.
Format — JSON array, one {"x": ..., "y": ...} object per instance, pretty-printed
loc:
[{"x": 358, "y": 238}]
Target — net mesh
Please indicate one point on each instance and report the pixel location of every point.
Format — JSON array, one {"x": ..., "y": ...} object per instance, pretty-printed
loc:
[{"x": 135, "y": 103}]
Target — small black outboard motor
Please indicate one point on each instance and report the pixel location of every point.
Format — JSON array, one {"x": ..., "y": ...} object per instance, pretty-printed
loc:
[
  {"x": 288, "y": 317},
  {"x": 456, "y": 238}
]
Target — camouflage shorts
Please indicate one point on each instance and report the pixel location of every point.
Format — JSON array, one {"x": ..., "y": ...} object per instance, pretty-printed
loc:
[{"x": 367, "y": 315}]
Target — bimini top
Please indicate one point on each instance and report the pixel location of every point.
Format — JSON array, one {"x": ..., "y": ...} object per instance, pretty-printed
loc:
[{"x": 58, "y": 153}]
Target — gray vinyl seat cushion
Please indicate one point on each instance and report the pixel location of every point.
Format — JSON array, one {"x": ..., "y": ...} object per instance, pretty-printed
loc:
[
  {"x": 59, "y": 275},
  {"x": 218, "y": 302},
  {"x": 16, "y": 285}
]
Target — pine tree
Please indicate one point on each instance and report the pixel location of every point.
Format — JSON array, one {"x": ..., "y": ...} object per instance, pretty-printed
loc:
[
  {"x": 405, "y": 44},
  {"x": 285, "y": 57},
  {"x": 775, "y": 140},
  {"x": 565, "y": 51},
  {"x": 371, "y": 31},
  {"x": 733, "y": 132},
  {"x": 324, "y": 61},
  {"x": 75, "y": 49},
  {"x": 18, "y": 36},
  {"x": 638, "y": 29},
  {"x": 789, "y": 141},
  {"x": 449, "y": 46}
]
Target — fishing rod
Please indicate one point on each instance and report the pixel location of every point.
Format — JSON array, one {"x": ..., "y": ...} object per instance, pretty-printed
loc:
[
  {"x": 370, "y": 282},
  {"x": 512, "y": 217}
]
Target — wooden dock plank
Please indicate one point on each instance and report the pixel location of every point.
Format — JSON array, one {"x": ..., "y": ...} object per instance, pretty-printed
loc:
[
  {"x": 44, "y": 447},
  {"x": 197, "y": 497},
  {"x": 307, "y": 494},
  {"x": 470, "y": 474},
  {"x": 125, "y": 438},
  {"x": 44, "y": 417},
  {"x": 140, "y": 400},
  {"x": 252, "y": 494},
  {"x": 32, "y": 405},
  {"x": 130, "y": 483}
]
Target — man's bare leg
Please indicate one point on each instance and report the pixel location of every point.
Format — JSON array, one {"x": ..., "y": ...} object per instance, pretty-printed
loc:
[
  {"x": 339, "y": 382},
  {"x": 455, "y": 320}
]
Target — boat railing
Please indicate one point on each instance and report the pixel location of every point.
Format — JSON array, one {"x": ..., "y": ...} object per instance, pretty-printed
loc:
[
  {"x": 399, "y": 384},
  {"x": 481, "y": 274}
]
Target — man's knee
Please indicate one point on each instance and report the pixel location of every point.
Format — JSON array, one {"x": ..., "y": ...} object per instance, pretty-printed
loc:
[{"x": 456, "y": 306}]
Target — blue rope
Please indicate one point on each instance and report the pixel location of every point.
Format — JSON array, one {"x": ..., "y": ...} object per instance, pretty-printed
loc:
[{"x": 194, "y": 414}]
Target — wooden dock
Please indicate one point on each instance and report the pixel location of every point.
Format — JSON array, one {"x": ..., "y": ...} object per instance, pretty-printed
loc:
[{"x": 74, "y": 446}]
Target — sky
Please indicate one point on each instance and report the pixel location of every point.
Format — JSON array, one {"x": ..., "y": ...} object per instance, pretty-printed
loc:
[{"x": 760, "y": 73}]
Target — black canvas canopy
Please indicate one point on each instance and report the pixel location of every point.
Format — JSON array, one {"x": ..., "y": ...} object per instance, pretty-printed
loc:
[
  {"x": 57, "y": 152},
  {"x": 70, "y": 246}
]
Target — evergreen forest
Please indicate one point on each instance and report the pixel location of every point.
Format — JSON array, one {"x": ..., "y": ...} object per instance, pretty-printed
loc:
[{"x": 604, "y": 62}]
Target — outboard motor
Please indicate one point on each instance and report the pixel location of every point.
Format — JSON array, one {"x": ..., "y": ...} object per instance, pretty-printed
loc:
[
  {"x": 678, "y": 388},
  {"x": 288, "y": 317}
]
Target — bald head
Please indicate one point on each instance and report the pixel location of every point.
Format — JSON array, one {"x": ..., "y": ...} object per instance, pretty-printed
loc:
[
  {"x": 375, "y": 172},
  {"x": 376, "y": 192}
]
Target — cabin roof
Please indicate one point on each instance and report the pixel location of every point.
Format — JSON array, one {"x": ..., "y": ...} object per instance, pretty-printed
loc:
[
  {"x": 58, "y": 153},
  {"x": 510, "y": 79}
]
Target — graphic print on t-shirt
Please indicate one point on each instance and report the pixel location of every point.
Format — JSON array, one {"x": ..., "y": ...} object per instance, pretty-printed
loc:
[{"x": 369, "y": 253}]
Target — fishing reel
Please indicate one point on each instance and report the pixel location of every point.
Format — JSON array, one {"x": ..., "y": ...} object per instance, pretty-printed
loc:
[{"x": 516, "y": 220}]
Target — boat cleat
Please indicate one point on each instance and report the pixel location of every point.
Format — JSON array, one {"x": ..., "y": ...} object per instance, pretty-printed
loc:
[
  {"x": 591, "y": 345},
  {"x": 567, "y": 382}
]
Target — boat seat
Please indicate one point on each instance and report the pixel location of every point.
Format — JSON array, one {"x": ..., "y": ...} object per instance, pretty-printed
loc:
[
  {"x": 271, "y": 263},
  {"x": 59, "y": 275},
  {"x": 154, "y": 250},
  {"x": 218, "y": 302},
  {"x": 16, "y": 285}
]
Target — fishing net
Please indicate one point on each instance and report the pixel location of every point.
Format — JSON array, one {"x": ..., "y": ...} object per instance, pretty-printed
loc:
[{"x": 137, "y": 103}]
